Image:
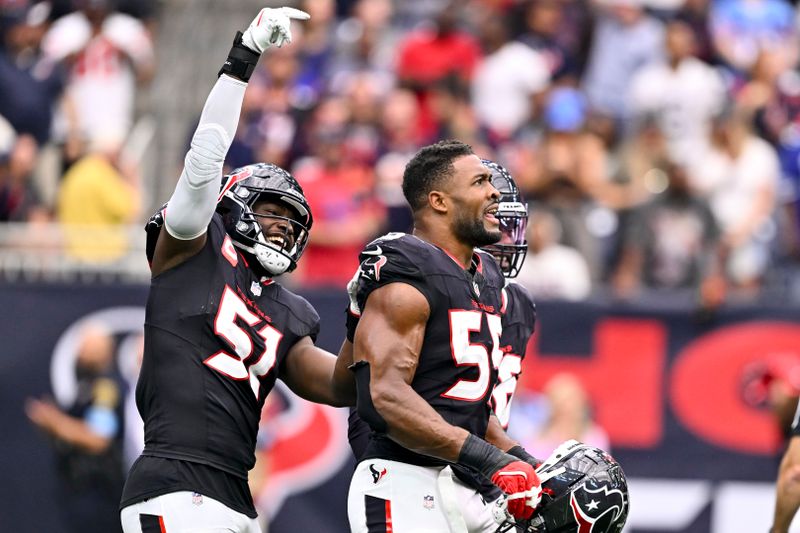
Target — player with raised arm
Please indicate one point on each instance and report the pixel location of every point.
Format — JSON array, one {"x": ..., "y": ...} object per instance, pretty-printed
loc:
[
  {"x": 426, "y": 351},
  {"x": 218, "y": 329}
]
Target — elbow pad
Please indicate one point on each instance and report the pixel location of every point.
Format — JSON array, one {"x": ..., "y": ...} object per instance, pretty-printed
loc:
[
  {"x": 366, "y": 409},
  {"x": 204, "y": 160},
  {"x": 192, "y": 205}
]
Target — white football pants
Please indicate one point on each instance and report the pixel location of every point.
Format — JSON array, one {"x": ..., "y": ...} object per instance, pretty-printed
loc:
[
  {"x": 390, "y": 496},
  {"x": 185, "y": 512}
]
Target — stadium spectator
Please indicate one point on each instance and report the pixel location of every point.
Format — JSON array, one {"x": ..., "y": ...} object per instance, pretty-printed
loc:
[
  {"x": 100, "y": 194},
  {"x": 695, "y": 14},
  {"x": 19, "y": 199},
  {"x": 739, "y": 177},
  {"x": 87, "y": 437},
  {"x": 552, "y": 270},
  {"x": 503, "y": 106},
  {"x": 552, "y": 31},
  {"x": 568, "y": 416},
  {"x": 107, "y": 54},
  {"x": 315, "y": 46},
  {"x": 30, "y": 84},
  {"x": 574, "y": 171},
  {"x": 341, "y": 195},
  {"x": 637, "y": 179},
  {"x": 682, "y": 92},
  {"x": 400, "y": 139},
  {"x": 671, "y": 242},
  {"x": 365, "y": 44},
  {"x": 625, "y": 38},
  {"x": 431, "y": 54}
]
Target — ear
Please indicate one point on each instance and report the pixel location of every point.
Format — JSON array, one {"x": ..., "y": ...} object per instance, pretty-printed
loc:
[{"x": 439, "y": 202}]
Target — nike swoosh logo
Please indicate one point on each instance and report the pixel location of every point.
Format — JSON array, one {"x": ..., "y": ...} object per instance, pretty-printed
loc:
[{"x": 376, "y": 251}]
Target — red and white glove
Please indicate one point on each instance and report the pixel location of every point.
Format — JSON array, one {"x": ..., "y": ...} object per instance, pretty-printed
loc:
[
  {"x": 520, "y": 482},
  {"x": 516, "y": 478},
  {"x": 272, "y": 27}
]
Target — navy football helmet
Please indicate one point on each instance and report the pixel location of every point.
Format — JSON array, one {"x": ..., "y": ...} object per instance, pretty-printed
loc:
[
  {"x": 584, "y": 490},
  {"x": 513, "y": 216},
  {"x": 245, "y": 186}
]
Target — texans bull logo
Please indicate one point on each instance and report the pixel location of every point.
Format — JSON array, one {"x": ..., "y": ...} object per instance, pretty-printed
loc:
[
  {"x": 371, "y": 267},
  {"x": 595, "y": 509}
]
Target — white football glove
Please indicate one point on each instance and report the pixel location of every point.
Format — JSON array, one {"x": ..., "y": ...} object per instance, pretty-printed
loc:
[
  {"x": 271, "y": 27},
  {"x": 352, "y": 292}
]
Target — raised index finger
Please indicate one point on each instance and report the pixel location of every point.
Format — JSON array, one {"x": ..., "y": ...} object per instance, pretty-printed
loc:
[{"x": 293, "y": 13}]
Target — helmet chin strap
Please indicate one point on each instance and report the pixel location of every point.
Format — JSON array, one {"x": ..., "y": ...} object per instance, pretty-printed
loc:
[{"x": 273, "y": 261}]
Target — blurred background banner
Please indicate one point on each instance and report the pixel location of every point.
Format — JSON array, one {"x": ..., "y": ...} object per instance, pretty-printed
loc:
[{"x": 687, "y": 401}]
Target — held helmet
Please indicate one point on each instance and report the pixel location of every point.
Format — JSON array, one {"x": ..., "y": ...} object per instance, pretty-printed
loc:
[
  {"x": 513, "y": 216},
  {"x": 584, "y": 490},
  {"x": 240, "y": 191}
]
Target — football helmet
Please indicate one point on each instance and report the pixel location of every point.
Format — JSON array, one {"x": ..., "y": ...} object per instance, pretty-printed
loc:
[
  {"x": 513, "y": 216},
  {"x": 245, "y": 186},
  {"x": 584, "y": 490}
]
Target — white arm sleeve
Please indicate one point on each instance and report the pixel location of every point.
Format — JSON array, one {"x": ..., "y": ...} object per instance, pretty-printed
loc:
[{"x": 192, "y": 204}]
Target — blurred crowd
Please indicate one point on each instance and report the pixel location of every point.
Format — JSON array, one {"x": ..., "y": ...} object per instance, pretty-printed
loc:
[{"x": 657, "y": 142}]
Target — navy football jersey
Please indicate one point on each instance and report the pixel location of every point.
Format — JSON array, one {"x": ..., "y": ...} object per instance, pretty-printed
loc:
[
  {"x": 461, "y": 347},
  {"x": 519, "y": 319},
  {"x": 216, "y": 338}
]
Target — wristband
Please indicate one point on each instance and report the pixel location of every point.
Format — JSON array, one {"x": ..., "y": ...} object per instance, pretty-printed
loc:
[
  {"x": 241, "y": 60},
  {"x": 520, "y": 453},
  {"x": 481, "y": 456}
]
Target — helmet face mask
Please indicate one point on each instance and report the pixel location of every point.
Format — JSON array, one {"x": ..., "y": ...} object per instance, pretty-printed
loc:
[
  {"x": 512, "y": 213},
  {"x": 241, "y": 191}
]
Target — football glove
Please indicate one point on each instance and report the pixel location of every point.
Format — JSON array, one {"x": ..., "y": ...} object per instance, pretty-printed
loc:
[
  {"x": 520, "y": 482},
  {"x": 516, "y": 478},
  {"x": 271, "y": 27}
]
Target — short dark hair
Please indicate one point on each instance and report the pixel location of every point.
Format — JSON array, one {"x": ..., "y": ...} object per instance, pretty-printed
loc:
[{"x": 429, "y": 167}]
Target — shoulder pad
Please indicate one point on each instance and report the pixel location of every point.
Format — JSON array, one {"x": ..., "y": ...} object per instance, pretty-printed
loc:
[
  {"x": 518, "y": 305},
  {"x": 394, "y": 257}
]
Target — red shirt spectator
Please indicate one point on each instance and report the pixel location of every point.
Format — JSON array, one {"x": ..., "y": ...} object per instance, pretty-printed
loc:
[
  {"x": 346, "y": 215},
  {"x": 430, "y": 55}
]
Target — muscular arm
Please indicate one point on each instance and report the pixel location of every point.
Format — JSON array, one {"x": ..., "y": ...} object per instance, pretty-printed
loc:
[
  {"x": 319, "y": 376},
  {"x": 495, "y": 434},
  {"x": 788, "y": 488},
  {"x": 389, "y": 337}
]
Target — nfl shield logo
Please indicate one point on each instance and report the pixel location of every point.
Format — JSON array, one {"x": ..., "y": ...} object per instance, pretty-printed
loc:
[
  {"x": 427, "y": 502},
  {"x": 255, "y": 288},
  {"x": 197, "y": 498}
]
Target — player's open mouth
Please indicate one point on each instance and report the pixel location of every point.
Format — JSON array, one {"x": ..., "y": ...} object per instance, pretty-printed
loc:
[
  {"x": 490, "y": 215},
  {"x": 277, "y": 241}
]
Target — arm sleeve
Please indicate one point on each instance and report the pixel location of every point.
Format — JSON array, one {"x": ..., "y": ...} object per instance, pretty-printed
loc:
[{"x": 192, "y": 204}]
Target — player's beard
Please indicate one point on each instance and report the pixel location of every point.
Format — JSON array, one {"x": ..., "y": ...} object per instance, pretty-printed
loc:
[{"x": 472, "y": 231}]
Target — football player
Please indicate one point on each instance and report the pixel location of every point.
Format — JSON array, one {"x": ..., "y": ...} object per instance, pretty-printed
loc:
[
  {"x": 426, "y": 350},
  {"x": 518, "y": 313},
  {"x": 218, "y": 329}
]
